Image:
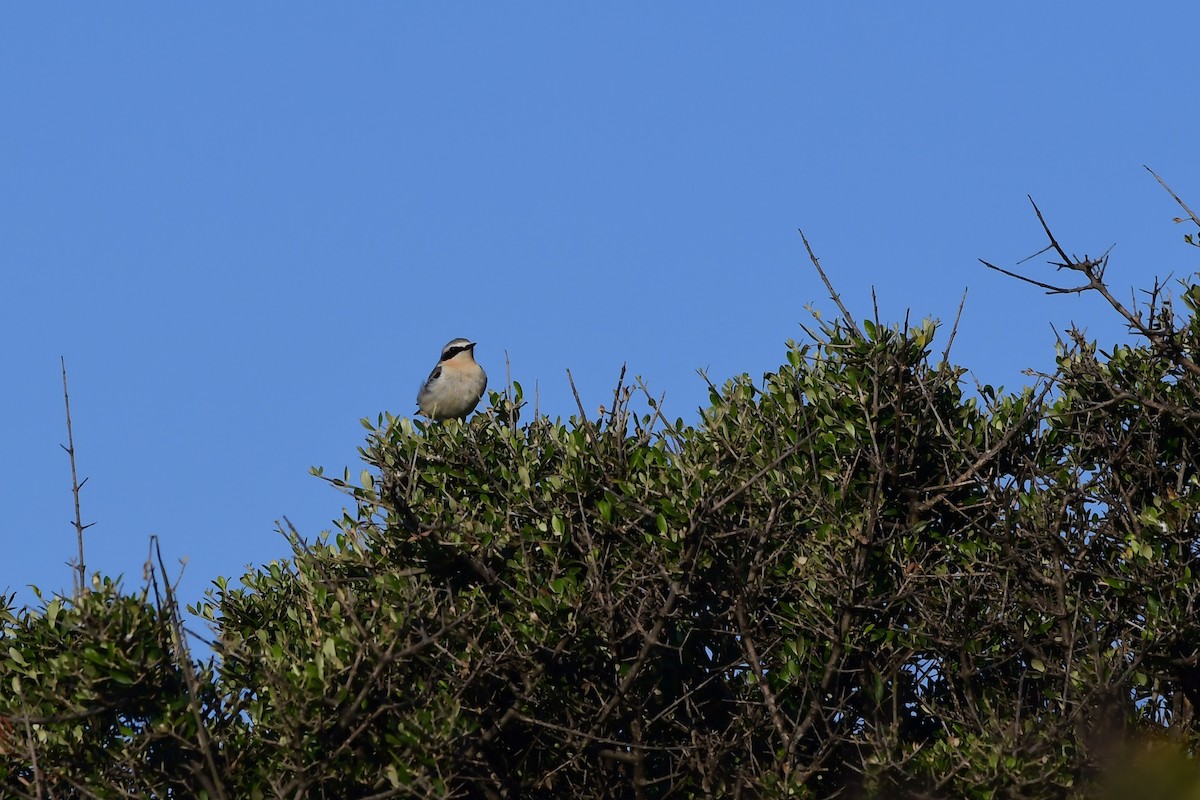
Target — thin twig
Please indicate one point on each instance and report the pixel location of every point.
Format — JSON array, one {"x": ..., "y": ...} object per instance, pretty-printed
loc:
[
  {"x": 954, "y": 330},
  {"x": 38, "y": 777},
  {"x": 184, "y": 657},
  {"x": 80, "y": 570},
  {"x": 1182, "y": 204},
  {"x": 1093, "y": 269},
  {"x": 593, "y": 438},
  {"x": 833, "y": 295},
  {"x": 510, "y": 394},
  {"x": 1050, "y": 288}
]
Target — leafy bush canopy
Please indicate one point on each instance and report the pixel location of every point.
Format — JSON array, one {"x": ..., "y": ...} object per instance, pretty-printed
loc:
[{"x": 853, "y": 578}]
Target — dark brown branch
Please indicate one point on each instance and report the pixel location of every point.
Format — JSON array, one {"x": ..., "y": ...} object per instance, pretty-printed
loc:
[
  {"x": 1093, "y": 270},
  {"x": 760, "y": 677},
  {"x": 1050, "y": 288}
]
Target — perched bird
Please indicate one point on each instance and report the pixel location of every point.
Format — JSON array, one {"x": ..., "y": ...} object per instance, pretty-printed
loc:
[{"x": 454, "y": 387}]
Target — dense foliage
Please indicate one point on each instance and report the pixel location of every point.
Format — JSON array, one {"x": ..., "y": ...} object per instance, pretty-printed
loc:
[{"x": 861, "y": 576}]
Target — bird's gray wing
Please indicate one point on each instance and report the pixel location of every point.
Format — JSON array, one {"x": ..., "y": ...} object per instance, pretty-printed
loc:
[{"x": 433, "y": 376}]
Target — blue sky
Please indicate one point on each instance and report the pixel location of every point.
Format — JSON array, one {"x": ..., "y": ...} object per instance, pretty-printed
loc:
[{"x": 246, "y": 226}]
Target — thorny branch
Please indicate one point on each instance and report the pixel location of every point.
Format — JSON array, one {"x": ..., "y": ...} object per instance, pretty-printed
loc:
[
  {"x": 80, "y": 577},
  {"x": 1093, "y": 269}
]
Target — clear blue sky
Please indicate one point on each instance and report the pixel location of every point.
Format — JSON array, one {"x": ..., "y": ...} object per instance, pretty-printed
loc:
[{"x": 248, "y": 225}]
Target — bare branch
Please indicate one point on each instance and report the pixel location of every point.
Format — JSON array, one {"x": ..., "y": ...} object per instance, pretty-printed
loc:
[
  {"x": 80, "y": 570},
  {"x": 1050, "y": 288},
  {"x": 833, "y": 295},
  {"x": 1182, "y": 204},
  {"x": 1093, "y": 269},
  {"x": 954, "y": 329}
]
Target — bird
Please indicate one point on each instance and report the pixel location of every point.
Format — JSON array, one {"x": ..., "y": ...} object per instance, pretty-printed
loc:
[{"x": 454, "y": 387}]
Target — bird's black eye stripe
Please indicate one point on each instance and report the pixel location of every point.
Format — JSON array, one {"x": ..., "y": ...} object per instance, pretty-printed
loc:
[{"x": 452, "y": 352}]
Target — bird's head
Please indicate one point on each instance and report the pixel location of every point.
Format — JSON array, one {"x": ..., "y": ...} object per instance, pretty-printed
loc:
[{"x": 455, "y": 348}]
